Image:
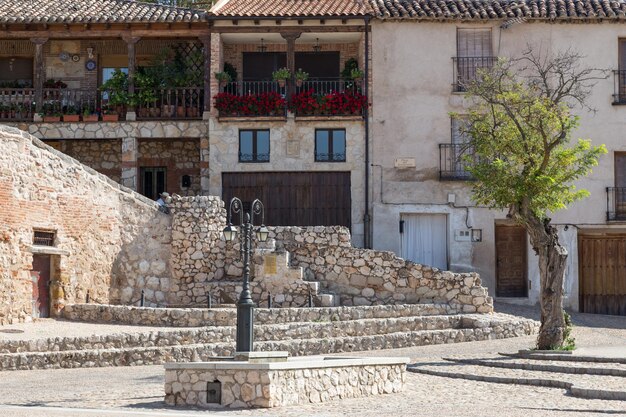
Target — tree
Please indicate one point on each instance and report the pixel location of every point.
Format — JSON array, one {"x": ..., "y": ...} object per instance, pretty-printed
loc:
[{"x": 520, "y": 124}]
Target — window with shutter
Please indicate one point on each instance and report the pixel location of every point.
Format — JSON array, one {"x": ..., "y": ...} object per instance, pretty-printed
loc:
[{"x": 474, "y": 52}]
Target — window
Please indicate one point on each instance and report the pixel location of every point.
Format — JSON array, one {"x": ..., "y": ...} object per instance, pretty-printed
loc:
[
  {"x": 330, "y": 145},
  {"x": 153, "y": 181},
  {"x": 453, "y": 165},
  {"x": 254, "y": 146},
  {"x": 473, "y": 52}
]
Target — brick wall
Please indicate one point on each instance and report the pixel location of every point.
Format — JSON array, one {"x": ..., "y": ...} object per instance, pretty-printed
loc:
[{"x": 109, "y": 240}]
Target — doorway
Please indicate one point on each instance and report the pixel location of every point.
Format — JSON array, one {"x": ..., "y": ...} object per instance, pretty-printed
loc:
[
  {"x": 424, "y": 239},
  {"x": 511, "y": 270},
  {"x": 40, "y": 276}
]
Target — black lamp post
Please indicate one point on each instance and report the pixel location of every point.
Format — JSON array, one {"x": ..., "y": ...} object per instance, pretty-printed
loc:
[{"x": 245, "y": 306}]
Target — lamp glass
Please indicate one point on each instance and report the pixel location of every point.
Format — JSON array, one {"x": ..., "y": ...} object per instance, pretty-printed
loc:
[
  {"x": 262, "y": 233},
  {"x": 230, "y": 233}
]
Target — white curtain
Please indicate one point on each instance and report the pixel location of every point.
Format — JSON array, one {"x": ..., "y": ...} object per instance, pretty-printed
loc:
[{"x": 425, "y": 239}]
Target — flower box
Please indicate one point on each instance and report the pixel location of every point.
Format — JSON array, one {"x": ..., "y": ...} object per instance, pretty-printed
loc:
[
  {"x": 110, "y": 117},
  {"x": 51, "y": 119},
  {"x": 90, "y": 118},
  {"x": 71, "y": 118}
]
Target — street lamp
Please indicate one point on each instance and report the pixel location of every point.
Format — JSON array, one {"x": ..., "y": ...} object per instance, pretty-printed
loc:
[{"x": 245, "y": 306}]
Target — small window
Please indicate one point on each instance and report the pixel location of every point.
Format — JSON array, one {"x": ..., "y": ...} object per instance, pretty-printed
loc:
[
  {"x": 330, "y": 145},
  {"x": 254, "y": 146},
  {"x": 43, "y": 238}
]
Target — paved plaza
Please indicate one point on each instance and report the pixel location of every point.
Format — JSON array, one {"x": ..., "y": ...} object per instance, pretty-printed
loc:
[{"x": 138, "y": 391}]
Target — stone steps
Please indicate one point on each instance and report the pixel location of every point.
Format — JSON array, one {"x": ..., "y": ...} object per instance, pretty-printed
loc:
[
  {"x": 263, "y": 332},
  {"x": 593, "y": 384},
  {"x": 130, "y": 356}
]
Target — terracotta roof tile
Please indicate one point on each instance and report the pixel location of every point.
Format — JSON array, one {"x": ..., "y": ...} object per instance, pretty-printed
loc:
[
  {"x": 93, "y": 11},
  {"x": 498, "y": 9},
  {"x": 290, "y": 8}
]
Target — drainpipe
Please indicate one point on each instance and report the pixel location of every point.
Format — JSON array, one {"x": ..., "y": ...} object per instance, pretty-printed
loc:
[{"x": 366, "y": 218}]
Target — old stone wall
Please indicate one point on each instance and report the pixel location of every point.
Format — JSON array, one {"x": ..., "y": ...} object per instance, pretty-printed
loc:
[
  {"x": 275, "y": 385},
  {"x": 103, "y": 155},
  {"x": 106, "y": 236},
  {"x": 201, "y": 259}
]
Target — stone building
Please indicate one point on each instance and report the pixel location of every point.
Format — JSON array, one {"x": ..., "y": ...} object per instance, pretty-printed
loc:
[{"x": 421, "y": 202}]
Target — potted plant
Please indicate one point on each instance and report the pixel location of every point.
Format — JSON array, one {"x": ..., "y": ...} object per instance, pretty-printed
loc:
[
  {"x": 357, "y": 75},
  {"x": 50, "y": 114},
  {"x": 70, "y": 114},
  {"x": 281, "y": 75},
  {"x": 89, "y": 115},
  {"x": 110, "y": 115},
  {"x": 301, "y": 76},
  {"x": 116, "y": 88},
  {"x": 223, "y": 78}
]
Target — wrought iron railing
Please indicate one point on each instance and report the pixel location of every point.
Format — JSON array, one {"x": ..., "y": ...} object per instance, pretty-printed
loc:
[
  {"x": 245, "y": 88},
  {"x": 466, "y": 69},
  {"x": 453, "y": 164},
  {"x": 328, "y": 86},
  {"x": 170, "y": 103},
  {"x": 17, "y": 104},
  {"x": 619, "y": 95},
  {"x": 252, "y": 99},
  {"x": 616, "y": 203}
]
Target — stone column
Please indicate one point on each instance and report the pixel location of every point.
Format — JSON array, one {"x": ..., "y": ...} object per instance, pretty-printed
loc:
[
  {"x": 39, "y": 72},
  {"x": 129, "y": 163},
  {"x": 131, "y": 41},
  {"x": 206, "y": 48},
  {"x": 291, "y": 37}
]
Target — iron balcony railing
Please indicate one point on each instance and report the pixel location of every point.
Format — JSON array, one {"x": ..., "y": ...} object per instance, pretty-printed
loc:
[
  {"x": 328, "y": 86},
  {"x": 616, "y": 203},
  {"x": 17, "y": 104},
  {"x": 466, "y": 69},
  {"x": 170, "y": 103},
  {"x": 453, "y": 164},
  {"x": 619, "y": 95},
  {"x": 245, "y": 88}
]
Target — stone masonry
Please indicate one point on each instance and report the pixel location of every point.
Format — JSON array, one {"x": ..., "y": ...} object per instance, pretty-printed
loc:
[{"x": 106, "y": 236}]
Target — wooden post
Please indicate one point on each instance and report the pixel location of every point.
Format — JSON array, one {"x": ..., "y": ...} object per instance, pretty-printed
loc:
[
  {"x": 206, "y": 48},
  {"x": 131, "y": 41},
  {"x": 38, "y": 76},
  {"x": 291, "y": 37}
]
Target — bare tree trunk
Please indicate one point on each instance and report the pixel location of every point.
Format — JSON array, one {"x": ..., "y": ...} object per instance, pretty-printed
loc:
[{"x": 552, "y": 262}]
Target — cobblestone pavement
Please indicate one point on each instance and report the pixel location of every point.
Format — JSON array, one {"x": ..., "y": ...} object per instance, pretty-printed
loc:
[{"x": 138, "y": 391}]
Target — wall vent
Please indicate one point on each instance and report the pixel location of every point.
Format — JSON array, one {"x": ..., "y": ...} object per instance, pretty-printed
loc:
[{"x": 41, "y": 238}]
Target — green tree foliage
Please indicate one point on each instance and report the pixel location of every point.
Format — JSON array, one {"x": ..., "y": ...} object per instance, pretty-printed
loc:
[{"x": 520, "y": 125}]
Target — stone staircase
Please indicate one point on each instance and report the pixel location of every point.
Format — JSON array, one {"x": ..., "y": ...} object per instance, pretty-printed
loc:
[
  {"x": 299, "y": 331},
  {"x": 588, "y": 377}
]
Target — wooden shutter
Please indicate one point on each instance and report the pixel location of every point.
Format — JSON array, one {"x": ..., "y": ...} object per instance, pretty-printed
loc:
[{"x": 474, "y": 43}]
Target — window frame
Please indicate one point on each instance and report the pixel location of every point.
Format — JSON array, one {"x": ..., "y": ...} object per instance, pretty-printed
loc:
[
  {"x": 330, "y": 145},
  {"x": 255, "y": 154}
]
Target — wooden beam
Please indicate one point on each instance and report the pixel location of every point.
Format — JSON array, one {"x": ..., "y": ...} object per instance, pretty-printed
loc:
[
  {"x": 51, "y": 34},
  {"x": 291, "y": 37},
  {"x": 130, "y": 43},
  {"x": 278, "y": 29}
]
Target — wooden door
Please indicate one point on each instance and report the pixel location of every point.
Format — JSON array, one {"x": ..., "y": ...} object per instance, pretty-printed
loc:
[
  {"x": 511, "y": 273},
  {"x": 40, "y": 276},
  {"x": 602, "y": 274},
  {"x": 294, "y": 198}
]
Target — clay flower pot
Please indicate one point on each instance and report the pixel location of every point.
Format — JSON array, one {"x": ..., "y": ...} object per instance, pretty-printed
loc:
[
  {"x": 71, "y": 118},
  {"x": 110, "y": 117}
]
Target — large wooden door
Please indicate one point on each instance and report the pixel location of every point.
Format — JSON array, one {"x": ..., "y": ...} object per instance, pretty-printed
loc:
[
  {"x": 294, "y": 198},
  {"x": 602, "y": 274},
  {"x": 511, "y": 272},
  {"x": 40, "y": 276}
]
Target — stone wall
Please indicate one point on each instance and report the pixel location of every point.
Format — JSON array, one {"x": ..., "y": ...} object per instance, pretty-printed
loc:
[
  {"x": 106, "y": 236},
  {"x": 283, "y": 383},
  {"x": 201, "y": 259},
  {"x": 104, "y": 155}
]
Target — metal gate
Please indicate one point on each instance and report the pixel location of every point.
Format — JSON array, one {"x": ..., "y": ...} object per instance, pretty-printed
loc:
[{"x": 294, "y": 198}]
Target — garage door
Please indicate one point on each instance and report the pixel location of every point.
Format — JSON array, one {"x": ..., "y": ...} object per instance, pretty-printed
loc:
[
  {"x": 424, "y": 239},
  {"x": 294, "y": 198},
  {"x": 602, "y": 274}
]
